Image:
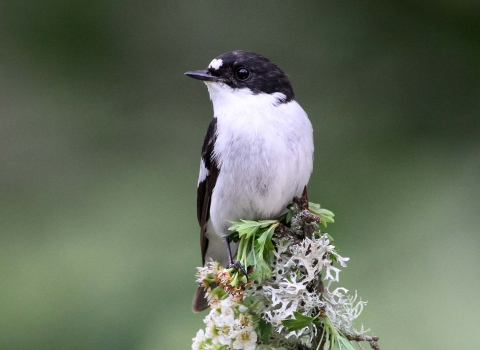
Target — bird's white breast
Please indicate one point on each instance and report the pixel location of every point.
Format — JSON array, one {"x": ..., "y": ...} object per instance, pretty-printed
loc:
[{"x": 264, "y": 149}]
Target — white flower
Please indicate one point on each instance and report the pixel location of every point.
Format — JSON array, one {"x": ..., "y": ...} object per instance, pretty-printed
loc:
[
  {"x": 226, "y": 308},
  {"x": 224, "y": 328},
  {"x": 202, "y": 273},
  {"x": 199, "y": 338},
  {"x": 245, "y": 339},
  {"x": 225, "y": 334},
  {"x": 243, "y": 323},
  {"x": 213, "y": 301},
  {"x": 210, "y": 331},
  {"x": 210, "y": 318}
]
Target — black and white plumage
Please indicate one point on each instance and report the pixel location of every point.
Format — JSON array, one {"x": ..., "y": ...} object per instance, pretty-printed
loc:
[{"x": 258, "y": 150}]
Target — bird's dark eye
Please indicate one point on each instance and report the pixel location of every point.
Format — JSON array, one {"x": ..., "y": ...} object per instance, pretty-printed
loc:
[{"x": 242, "y": 73}]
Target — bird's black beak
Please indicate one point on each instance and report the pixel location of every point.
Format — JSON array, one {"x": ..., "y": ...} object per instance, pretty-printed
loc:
[{"x": 201, "y": 75}]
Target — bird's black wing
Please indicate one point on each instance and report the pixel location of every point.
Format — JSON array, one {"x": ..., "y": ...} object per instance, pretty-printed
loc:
[{"x": 205, "y": 187}]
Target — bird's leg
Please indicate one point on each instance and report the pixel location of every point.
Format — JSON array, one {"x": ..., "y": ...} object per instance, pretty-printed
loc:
[{"x": 234, "y": 264}]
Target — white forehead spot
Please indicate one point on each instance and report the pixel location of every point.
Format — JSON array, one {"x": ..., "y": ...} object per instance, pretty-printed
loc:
[{"x": 215, "y": 64}]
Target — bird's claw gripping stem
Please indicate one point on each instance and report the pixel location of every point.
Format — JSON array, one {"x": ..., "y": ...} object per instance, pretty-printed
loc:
[
  {"x": 238, "y": 265},
  {"x": 234, "y": 264}
]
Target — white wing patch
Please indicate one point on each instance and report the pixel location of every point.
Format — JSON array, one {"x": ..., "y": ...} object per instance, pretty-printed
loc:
[
  {"x": 215, "y": 64},
  {"x": 203, "y": 172}
]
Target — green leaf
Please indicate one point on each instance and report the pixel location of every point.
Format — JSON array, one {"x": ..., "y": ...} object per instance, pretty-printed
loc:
[
  {"x": 289, "y": 216},
  {"x": 250, "y": 260},
  {"x": 324, "y": 214},
  {"x": 344, "y": 343},
  {"x": 218, "y": 291},
  {"x": 298, "y": 322},
  {"x": 245, "y": 228},
  {"x": 255, "y": 245},
  {"x": 265, "y": 240},
  {"x": 266, "y": 223},
  {"x": 264, "y": 330},
  {"x": 263, "y": 246}
]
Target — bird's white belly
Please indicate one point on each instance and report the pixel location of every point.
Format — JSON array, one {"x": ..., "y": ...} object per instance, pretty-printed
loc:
[{"x": 258, "y": 178}]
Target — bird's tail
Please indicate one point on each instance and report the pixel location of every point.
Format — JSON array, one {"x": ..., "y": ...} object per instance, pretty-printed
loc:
[{"x": 200, "y": 301}]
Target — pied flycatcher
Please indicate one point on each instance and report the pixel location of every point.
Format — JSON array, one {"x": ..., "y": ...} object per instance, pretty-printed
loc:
[{"x": 257, "y": 154}]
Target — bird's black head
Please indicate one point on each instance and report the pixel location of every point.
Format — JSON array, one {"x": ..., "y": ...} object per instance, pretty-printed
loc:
[{"x": 243, "y": 69}]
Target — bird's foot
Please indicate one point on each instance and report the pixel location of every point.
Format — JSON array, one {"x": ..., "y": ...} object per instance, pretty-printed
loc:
[{"x": 238, "y": 265}]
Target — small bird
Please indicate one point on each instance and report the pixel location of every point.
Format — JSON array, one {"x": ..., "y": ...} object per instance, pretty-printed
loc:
[{"x": 257, "y": 154}]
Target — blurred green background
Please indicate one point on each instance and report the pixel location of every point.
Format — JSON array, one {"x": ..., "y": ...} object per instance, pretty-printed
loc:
[{"x": 100, "y": 137}]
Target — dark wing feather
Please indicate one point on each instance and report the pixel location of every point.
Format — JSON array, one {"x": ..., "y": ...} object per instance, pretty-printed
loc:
[{"x": 205, "y": 187}]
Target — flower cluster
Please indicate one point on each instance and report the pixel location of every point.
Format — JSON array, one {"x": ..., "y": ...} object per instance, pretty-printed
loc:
[
  {"x": 228, "y": 325},
  {"x": 295, "y": 305}
]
